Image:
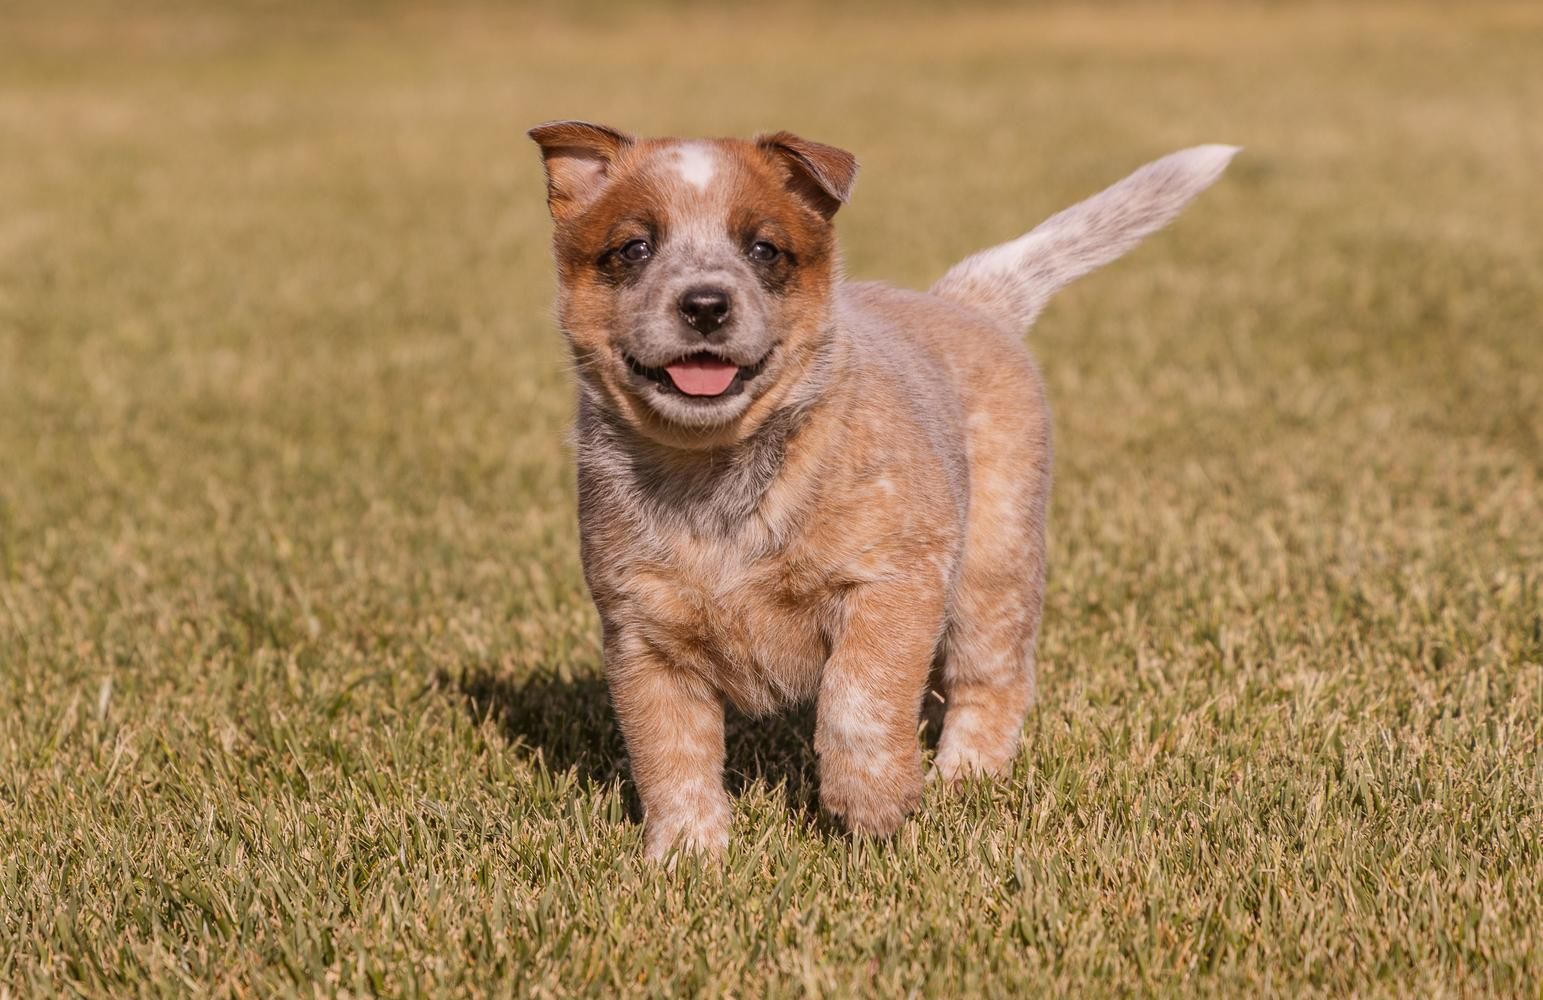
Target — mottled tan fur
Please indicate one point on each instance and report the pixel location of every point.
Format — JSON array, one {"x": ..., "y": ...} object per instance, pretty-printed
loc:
[{"x": 866, "y": 502}]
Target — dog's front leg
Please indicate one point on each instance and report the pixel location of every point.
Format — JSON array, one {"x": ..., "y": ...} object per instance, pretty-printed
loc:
[
  {"x": 673, "y": 724},
  {"x": 869, "y": 704}
]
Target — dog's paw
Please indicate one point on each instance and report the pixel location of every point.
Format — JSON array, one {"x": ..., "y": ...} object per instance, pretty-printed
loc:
[
  {"x": 975, "y": 745},
  {"x": 957, "y": 764},
  {"x": 704, "y": 833},
  {"x": 871, "y": 797}
]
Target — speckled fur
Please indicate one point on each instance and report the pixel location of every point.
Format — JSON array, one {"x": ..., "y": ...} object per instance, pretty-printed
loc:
[{"x": 869, "y": 511}]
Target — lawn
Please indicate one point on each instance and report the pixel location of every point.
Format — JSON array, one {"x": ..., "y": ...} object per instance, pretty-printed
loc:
[{"x": 300, "y": 690}]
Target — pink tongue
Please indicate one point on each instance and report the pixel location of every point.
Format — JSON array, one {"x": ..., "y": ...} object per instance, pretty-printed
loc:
[{"x": 701, "y": 377}]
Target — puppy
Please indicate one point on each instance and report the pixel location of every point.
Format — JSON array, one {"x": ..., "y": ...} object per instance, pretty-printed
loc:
[{"x": 794, "y": 487}]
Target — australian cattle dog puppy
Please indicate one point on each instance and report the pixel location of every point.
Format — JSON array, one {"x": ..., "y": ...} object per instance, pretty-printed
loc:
[{"x": 795, "y": 487}]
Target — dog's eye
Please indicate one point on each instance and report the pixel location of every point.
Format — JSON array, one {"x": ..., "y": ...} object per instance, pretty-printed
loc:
[
  {"x": 763, "y": 251},
  {"x": 636, "y": 251}
]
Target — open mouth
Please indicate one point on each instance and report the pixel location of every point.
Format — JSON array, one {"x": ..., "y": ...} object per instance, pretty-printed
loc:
[{"x": 700, "y": 376}]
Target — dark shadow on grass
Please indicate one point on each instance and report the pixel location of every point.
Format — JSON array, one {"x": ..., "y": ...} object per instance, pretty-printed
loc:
[{"x": 567, "y": 723}]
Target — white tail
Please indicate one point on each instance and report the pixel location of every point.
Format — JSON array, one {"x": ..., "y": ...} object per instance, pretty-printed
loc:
[{"x": 1015, "y": 280}]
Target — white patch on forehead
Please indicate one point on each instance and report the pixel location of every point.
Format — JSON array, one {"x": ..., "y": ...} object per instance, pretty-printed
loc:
[{"x": 696, "y": 163}]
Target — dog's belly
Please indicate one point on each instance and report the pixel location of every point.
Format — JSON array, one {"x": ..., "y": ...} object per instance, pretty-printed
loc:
[{"x": 758, "y": 639}]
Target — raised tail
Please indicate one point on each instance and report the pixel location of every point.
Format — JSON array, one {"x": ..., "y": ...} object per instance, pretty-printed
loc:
[{"x": 1013, "y": 281}]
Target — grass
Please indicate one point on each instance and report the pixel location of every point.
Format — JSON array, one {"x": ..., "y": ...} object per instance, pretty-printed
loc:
[{"x": 300, "y": 691}]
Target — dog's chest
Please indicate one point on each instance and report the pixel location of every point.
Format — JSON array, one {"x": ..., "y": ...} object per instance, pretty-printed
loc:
[{"x": 757, "y": 626}]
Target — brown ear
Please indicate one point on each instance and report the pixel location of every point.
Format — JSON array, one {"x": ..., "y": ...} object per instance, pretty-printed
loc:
[
  {"x": 578, "y": 157},
  {"x": 820, "y": 174}
]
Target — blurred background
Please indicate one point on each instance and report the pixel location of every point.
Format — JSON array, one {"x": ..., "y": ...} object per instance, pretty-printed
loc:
[{"x": 294, "y": 650}]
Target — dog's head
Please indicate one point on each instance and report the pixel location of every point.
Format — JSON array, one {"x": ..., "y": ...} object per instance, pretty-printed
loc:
[{"x": 695, "y": 275}]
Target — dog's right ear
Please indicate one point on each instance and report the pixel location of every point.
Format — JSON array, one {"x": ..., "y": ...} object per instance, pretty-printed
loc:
[{"x": 578, "y": 158}]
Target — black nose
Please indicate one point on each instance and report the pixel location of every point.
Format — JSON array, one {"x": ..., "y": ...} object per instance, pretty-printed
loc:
[{"x": 705, "y": 309}]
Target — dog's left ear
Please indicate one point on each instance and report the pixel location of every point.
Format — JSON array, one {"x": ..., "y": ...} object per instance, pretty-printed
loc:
[
  {"x": 822, "y": 175},
  {"x": 578, "y": 157}
]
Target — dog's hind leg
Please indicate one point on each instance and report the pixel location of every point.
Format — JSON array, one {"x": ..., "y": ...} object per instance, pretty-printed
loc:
[
  {"x": 988, "y": 665},
  {"x": 988, "y": 672}
]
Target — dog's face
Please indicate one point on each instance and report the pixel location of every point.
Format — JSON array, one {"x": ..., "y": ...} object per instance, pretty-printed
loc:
[{"x": 695, "y": 276}]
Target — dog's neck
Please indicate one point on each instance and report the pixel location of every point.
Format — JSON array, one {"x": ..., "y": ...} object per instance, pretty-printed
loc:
[{"x": 710, "y": 491}]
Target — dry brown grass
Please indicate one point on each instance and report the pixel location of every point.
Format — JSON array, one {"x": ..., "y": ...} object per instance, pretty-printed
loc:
[{"x": 298, "y": 683}]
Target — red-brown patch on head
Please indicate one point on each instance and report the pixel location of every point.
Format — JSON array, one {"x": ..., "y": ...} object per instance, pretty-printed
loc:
[{"x": 641, "y": 222}]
